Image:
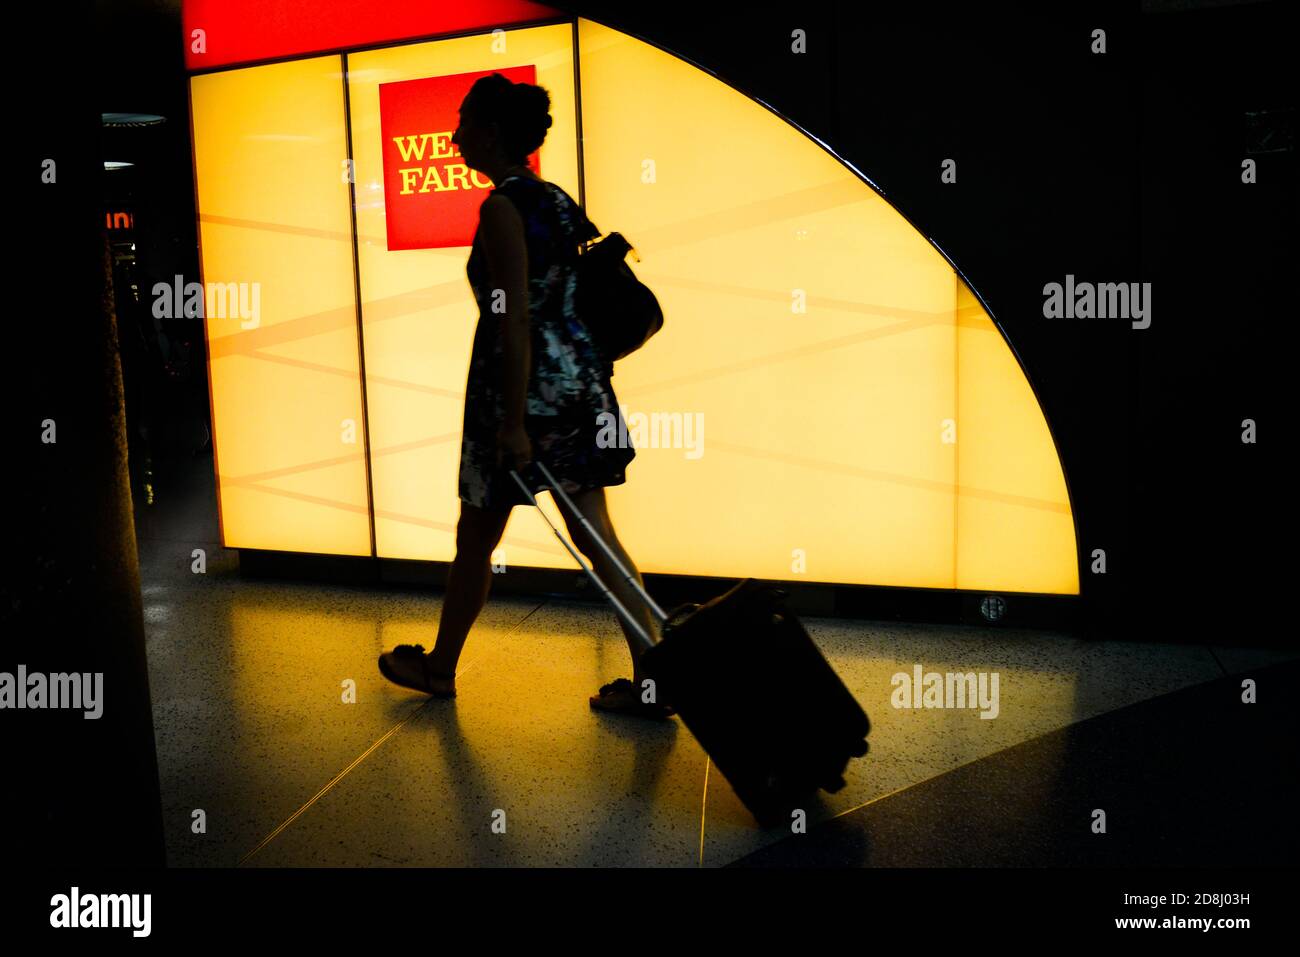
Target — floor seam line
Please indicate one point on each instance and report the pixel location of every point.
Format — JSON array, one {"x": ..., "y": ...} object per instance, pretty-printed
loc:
[
  {"x": 1017, "y": 744},
  {"x": 333, "y": 781},
  {"x": 704, "y": 808},
  {"x": 364, "y": 754}
]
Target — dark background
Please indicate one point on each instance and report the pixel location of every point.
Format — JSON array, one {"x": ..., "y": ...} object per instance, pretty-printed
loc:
[{"x": 1122, "y": 167}]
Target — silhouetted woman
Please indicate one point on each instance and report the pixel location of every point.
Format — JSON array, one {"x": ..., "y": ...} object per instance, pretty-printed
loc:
[{"x": 536, "y": 385}]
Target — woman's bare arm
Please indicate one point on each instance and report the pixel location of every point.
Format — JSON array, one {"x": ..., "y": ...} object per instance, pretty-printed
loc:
[{"x": 506, "y": 255}]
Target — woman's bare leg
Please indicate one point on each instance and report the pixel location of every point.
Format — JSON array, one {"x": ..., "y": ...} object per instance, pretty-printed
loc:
[
  {"x": 591, "y": 503},
  {"x": 468, "y": 582}
]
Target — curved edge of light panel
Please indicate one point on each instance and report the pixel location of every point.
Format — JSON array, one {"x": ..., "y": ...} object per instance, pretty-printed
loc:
[{"x": 1012, "y": 525}]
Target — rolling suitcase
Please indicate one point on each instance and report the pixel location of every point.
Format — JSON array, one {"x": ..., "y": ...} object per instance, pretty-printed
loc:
[{"x": 747, "y": 680}]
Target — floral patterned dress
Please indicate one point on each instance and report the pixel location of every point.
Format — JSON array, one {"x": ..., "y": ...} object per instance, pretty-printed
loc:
[{"x": 569, "y": 380}]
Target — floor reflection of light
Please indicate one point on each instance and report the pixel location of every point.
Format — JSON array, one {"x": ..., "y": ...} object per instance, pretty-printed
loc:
[{"x": 154, "y": 614}]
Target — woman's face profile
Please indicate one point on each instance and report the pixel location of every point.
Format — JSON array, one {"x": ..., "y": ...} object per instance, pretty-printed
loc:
[{"x": 471, "y": 139}]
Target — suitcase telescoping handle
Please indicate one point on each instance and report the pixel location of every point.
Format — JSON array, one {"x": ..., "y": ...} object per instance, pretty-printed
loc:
[{"x": 557, "y": 491}]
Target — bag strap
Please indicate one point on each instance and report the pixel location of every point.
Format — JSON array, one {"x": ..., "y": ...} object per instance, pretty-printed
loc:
[{"x": 581, "y": 228}]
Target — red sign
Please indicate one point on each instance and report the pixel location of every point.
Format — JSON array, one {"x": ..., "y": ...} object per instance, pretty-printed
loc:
[
  {"x": 222, "y": 32},
  {"x": 431, "y": 198}
]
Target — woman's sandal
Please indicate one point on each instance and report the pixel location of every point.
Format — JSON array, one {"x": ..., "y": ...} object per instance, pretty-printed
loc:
[
  {"x": 408, "y": 666},
  {"x": 620, "y": 695}
]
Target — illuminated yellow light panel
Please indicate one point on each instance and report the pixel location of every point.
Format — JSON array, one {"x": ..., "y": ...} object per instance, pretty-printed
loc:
[
  {"x": 864, "y": 421},
  {"x": 269, "y": 146}
]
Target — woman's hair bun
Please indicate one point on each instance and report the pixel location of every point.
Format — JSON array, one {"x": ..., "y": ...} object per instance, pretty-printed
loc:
[{"x": 522, "y": 110}]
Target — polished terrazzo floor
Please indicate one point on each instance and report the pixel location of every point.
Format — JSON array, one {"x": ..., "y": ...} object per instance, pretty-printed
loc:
[
  {"x": 1194, "y": 779},
  {"x": 256, "y": 729}
]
